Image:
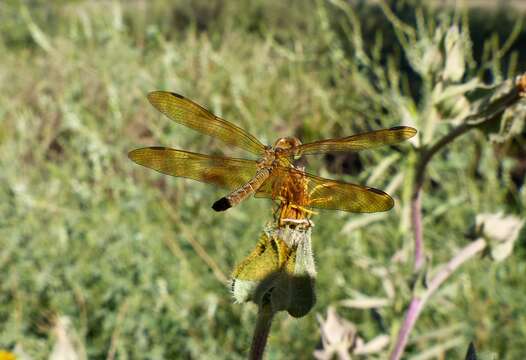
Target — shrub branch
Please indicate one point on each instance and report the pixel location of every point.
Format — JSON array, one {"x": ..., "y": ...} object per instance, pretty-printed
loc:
[{"x": 493, "y": 112}]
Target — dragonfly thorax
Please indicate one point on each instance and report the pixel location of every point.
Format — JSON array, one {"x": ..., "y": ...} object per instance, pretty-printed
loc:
[
  {"x": 286, "y": 143},
  {"x": 278, "y": 154}
]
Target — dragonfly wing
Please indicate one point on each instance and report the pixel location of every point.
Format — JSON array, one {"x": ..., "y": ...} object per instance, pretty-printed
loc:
[
  {"x": 225, "y": 172},
  {"x": 297, "y": 187},
  {"x": 190, "y": 114},
  {"x": 356, "y": 142}
]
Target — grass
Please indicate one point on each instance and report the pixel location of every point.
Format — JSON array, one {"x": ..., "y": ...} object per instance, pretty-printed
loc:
[{"x": 136, "y": 260}]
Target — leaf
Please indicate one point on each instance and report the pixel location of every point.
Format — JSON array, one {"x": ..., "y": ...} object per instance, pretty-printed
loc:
[
  {"x": 376, "y": 345},
  {"x": 456, "y": 90},
  {"x": 337, "y": 336},
  {"x": 68, "y": 345},
  {"x": 500, "y": 231},
  {"x": 451, "y": 101},
  {"x": 453, "y": 108},
  {"x": 511, "y": 124},
  {"x": 488, "y": 103},
  {"x": 425, "y": 57},
  {"x": 455, "y": 63}
]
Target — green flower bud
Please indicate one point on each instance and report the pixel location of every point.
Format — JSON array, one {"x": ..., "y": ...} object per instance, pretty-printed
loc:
[{"x": 280, "y": 271}]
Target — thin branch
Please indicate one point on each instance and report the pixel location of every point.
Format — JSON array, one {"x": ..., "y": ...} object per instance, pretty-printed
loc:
[
  {"x": 397, "y": 23},
  {"x": 261, "y": 332},
  {"x": 416, "y": 199},
  {"x": 198, "y": 248},
  {"x": 493, "y": 112},
  {"x": 410, "y": 319},
  {"x": 419, "y": 300},
  {"x": 426, "y": 155},
  {"x": 445, "y": 272}
]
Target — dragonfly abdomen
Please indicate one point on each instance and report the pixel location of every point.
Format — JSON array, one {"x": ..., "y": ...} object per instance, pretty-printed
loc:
[{"x": 238, "y": 195}]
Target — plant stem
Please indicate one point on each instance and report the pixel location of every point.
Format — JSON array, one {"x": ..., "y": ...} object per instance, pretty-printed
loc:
[
  {"x": 416, "y": 199},
  {"x": 415, "y": 306},
  {"x": 418, "y": 301},
  {"x": 437, "y": 146},
  {"x": 261, "y": 332},
  {"x": 425, "y": 157},
  {"x": 416, "y": 220}
]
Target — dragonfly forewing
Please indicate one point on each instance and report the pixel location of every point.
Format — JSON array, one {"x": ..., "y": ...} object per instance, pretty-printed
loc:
[
  {"x": 356, "y": 142},
  {"x": 188, "y": 113}
]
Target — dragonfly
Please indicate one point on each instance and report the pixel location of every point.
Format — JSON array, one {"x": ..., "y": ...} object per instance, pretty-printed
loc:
[{"x": 273, "y": 175}]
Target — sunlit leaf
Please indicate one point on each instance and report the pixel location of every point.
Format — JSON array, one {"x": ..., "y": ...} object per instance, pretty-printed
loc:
[
  {"x": 455, "y": 63},
  {"x": 500, "y": 231},
  {"x": 337, "y": 336}
]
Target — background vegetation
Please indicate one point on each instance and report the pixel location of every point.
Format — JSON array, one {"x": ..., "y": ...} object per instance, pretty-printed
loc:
[{"x": 123, "y": 262}]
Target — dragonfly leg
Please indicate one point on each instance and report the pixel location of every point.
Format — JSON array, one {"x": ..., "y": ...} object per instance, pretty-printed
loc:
[{"x": 304, "y": 209}]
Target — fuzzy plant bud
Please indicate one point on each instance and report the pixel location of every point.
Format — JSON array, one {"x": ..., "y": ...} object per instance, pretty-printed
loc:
[{"x": 279, "y": 271}]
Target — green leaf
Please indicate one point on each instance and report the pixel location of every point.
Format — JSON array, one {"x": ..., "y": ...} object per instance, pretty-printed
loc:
[
  {"x": 488, "y": 103},
  {"x": 511, "y": 124},
  {"x": 455, "y": 63}
]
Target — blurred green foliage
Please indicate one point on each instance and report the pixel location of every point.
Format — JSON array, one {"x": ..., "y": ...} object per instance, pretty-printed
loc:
[{"x": 136, "y": 260}]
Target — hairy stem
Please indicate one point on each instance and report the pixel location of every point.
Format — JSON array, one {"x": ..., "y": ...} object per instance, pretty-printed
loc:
[
  {"x": 419, "y": 300},
  {"x": 261, "y": 332}
]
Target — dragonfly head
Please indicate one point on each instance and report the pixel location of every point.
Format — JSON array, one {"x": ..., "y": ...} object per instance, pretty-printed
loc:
[{"x": 286, "y": 143}]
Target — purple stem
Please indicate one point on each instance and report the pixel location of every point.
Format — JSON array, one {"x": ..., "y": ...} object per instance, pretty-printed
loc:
[
  {"x": 418, "y": 301},
  {"x": 410, "y": 319},
  {"x": 416, "y": 200},
  {"x": 469, "y": 251},
  {"x": 416, "y": 220}
]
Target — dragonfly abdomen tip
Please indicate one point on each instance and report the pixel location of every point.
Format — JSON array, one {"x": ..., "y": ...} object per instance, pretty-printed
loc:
[{"x": 222, "y": 204}]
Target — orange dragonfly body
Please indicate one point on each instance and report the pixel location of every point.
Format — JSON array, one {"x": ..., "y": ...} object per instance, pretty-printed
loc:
[{"x": 273, "y": 175}]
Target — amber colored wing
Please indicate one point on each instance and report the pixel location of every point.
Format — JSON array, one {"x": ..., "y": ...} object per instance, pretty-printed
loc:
[
  {"x": 188, "y": 113},
  {"x": 356, "y": 142},
  {"x": 224, "y": 172},
  {"x": 307, "y": 190}
]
